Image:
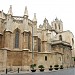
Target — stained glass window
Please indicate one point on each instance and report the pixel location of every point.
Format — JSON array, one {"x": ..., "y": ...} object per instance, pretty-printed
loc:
[{"x": 17, "y": 39}]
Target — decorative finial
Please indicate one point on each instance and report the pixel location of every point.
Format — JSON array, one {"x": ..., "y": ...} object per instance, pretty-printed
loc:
[
  {"x": 26, "y": 11},
  {"x": 60, "y": 20},
  {"x": 34, "y": 19},
  {"x": 10, "y": 10},
  {"x": 45, "y": 20},
  {"x": 56, "y": 18},
  {"x": 2, "y": 13}
]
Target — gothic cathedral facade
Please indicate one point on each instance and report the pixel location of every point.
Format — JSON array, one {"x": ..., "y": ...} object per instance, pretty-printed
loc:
[{"x": 21, "y": 42}]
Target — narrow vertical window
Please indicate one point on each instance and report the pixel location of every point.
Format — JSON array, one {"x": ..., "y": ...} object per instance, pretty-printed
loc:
[
  {"x": 60, "y": 37},
  {"x": 72, "y": 41},
  {"x": 45, "y": 58},
  {"x": 60, "y": 58},
  {"x": 0, "y": 41},
  {"x": 39, "y": 45},
  {"x": 17, "y": 39},
  {"x": 59, "y": 26}
]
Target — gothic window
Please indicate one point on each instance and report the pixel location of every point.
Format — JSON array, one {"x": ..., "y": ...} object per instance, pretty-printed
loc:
[
  {"x": 55, "y": 26},
  {"x": 72, "y": 41},
  {"x": 43, "y": 46},
  {"x": 0, "y": 38},
  {"x": 0, "y": 41},
  {"x": 35, "y": 43},
  {"x": 59, "y": 26},
  {"x": 60, "y": 58},
  {"x": 27, "y": 40},
  {"x": 39, "y": 45},
  {"x": 60, "y": 37},
  {"x": 17, "y": 39}
]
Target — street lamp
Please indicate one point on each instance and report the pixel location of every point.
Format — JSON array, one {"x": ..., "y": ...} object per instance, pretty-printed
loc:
[
  {"x": 34, "y": 22},
  {"x": 32, "y": 47}
]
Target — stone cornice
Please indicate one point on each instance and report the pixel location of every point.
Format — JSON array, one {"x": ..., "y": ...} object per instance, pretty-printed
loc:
[
  {"x": 1, "y": 34},
  {"x": 59, "y": 41},
  {"x": 8, "y": 31},
  {"x": 5, "y": 48},
  {"x": 25, "y": 49},
  {"x": 44, "y": 52}
]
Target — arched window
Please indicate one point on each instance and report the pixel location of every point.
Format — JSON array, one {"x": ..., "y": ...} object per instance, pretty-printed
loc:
[
  {"x": 60, "y": 37},
  {"x": 17, "y": 39},
  {"x": 72, "y": 41},
  {"x": 59, "y": 26}
]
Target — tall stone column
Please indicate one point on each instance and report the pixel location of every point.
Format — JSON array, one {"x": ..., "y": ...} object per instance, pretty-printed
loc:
[
  {"x": 7, "y": 44},
  {"x": 7, "y": 39},
  {"x": 5, "y": 59},
  {"x": 25, "y": 59},
  {"x": 23, "y": 46},
  {"x": 26, "y": 40}
]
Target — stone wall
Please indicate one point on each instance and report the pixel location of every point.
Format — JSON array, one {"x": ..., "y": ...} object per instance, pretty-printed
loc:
[
  {"x": 67, "y": 62},
  {"x": 14, "y": 58},
  {"x": 43, "y": 61},
  {"x": 3, "y": 59},
  {"x": 20, "y": 59}
]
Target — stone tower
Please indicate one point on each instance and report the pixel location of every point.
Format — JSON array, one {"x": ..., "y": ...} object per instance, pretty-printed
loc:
[
  {"x": 25, "y": 20},
  {"x": 57, "y": 25}
]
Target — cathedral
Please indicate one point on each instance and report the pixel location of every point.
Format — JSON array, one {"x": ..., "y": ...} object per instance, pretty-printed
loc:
[{"x": 22, "y": 43}]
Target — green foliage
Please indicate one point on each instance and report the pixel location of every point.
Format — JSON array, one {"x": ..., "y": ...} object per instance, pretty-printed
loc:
[
  {"x": 41, "y": 66},
  {"x": 32, "y": 66},
  {"x": 61, "y": 66},
  {"x": 50, "y": 66},
  {"x": 56, "y": 65}
]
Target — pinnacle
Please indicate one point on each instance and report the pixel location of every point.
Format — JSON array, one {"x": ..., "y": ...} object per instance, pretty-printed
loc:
[
  {"x": 26, "y": 11},
  {"x": 34, "y": 19},
  {"x": 10, "y": 10}
]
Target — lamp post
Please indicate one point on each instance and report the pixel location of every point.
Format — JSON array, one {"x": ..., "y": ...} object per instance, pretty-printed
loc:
[
  {"x": 34, "y": 24},
  {"x": 32, "y": 47}
]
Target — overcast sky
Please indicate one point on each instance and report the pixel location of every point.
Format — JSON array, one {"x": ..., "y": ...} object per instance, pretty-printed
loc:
[{"x": 62, "y": 9}]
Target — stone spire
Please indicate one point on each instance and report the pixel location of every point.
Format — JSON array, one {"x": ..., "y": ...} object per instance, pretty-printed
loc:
[
  {"x": 45, "y": 20},
  {"x": 25, "y": 20},
  {"x": 56, "y": 19},
  {"x": 10, "y": 10},
  {"x": 34, "y": 19},
  {"x": 34, "y": 25},
  {"x": 1, "y": 14},
  {"x": 26, "y": 11}
]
